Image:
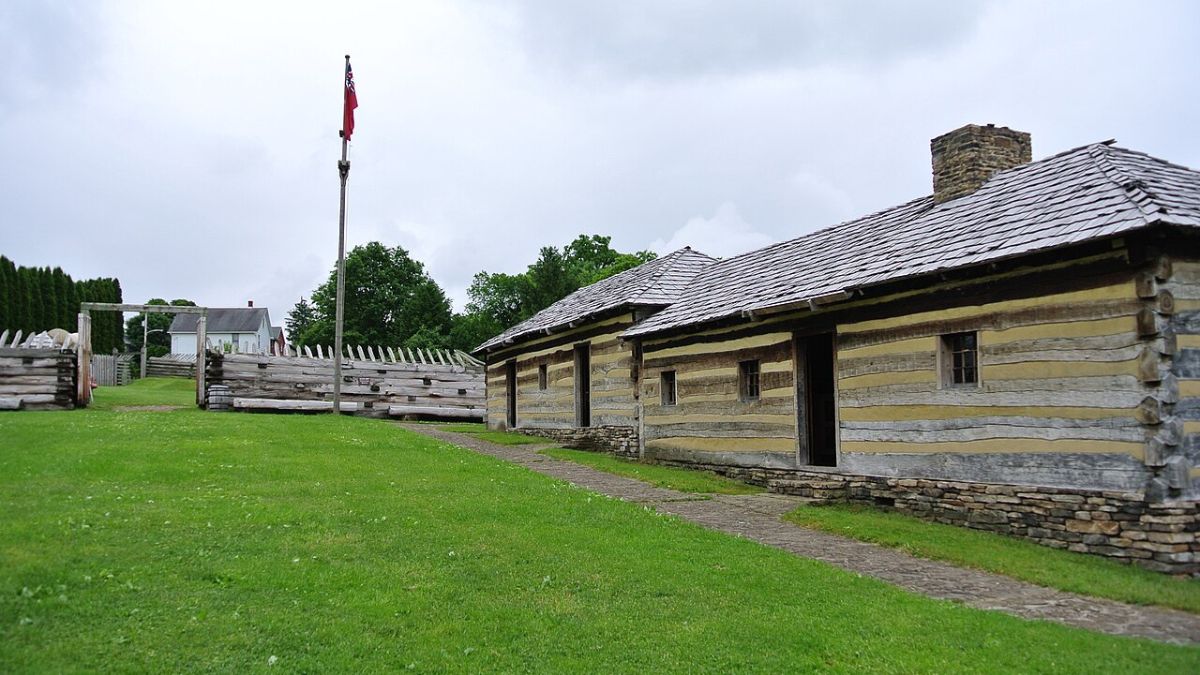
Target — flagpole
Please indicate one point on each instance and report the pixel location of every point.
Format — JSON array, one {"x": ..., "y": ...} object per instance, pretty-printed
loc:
[{"x": 344, "y": 172}]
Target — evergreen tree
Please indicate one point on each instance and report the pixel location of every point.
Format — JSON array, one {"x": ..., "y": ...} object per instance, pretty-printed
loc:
[
  {"x": 36, "y": 299},
  {"x": 25, "y": 298},
  {"x": 37, "y": 303},
  {"x": 67, "y": 309},
  {"x": 300, "y": 320},
  {"x": 117, "y": 319},
  {"x": 50, "y": 297},
  {"x": 6, "y": 301}
]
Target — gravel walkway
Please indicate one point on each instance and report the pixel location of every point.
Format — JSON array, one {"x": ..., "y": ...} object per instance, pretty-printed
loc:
[{"x": 756, "y": 517}]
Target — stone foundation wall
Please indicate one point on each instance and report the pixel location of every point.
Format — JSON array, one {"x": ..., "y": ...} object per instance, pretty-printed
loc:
[
  {"x": 621, "y": 441},
  {"x": 1120, "y": 525}
]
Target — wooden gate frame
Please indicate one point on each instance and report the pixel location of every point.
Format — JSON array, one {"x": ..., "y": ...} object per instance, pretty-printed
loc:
[{"x": 83, "y": 349}]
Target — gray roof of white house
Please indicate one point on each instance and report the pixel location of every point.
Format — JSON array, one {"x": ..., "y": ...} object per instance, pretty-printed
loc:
[
  {"x": 1087, "y": 193},
  {"x": 655, "y": 283},
  {"x": 223, "y": 320}
]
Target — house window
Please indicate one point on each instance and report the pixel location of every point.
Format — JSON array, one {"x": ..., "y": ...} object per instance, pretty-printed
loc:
[
  {"x": 748, "y": 389},
  {"x": 542, "y": 377},
  {"x": 669, "y": 392},
  {"x": 960, "y": 359}
]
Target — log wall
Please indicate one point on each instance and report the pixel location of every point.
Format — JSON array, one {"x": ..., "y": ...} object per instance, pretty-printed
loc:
[
  {"x": 708, "y": 416},
  {"x": 1064, "y": 395},
  {"x": 1078, "y": 379},
  {"x": 169, "y": 366},
  {"x": 1175, "y": 453},
  {"x": 36, "y": 379},
  {"x": 377, "y": 388},
  {"x": 613, "y": 405}
]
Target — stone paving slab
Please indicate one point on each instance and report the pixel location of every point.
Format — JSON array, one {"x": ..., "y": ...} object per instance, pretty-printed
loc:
[{"x": 756, "y": 517}]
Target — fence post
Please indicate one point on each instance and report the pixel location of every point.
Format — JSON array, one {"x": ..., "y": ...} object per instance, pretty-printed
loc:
[
  {"x": 83, "y": 361},
  {"x": 201, "y": 338}
]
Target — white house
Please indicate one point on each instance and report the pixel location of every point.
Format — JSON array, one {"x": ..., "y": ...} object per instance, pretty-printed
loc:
[{"x": 242, "y": 329}]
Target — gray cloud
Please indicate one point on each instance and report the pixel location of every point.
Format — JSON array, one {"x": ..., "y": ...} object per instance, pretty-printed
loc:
[
  {"x": 46, "y": 50},
  {"x": 191, "y": 154},
  {"x": 686, "y": 38}
]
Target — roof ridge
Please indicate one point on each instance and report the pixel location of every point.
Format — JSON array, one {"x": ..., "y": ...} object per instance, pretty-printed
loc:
[
  {"x": 663, "y": 267},
  {"x": 1082, "y": 193},
  {"x": 1134, "y": 189},
  {"x": 624, "y": 288}
]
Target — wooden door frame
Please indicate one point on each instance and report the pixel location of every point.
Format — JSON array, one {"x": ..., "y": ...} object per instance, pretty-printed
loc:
[
  {"x": 804, "y": 401},
  {"x": 583, "y": 385},
  {"x": 510, "y": 394}
]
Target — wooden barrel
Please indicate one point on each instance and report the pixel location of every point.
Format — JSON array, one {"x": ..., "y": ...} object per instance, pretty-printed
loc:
[{"x": 219, "y": 398}]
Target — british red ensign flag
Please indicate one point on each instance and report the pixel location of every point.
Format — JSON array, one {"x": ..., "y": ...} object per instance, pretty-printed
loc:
[{"x": 351, "y": 103}]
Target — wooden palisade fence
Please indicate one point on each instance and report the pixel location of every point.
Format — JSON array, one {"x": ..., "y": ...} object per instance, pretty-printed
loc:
[
  {"x": 171, "y": 365},
  {"x": 112, "y": 370},
  {"x": 375, "y": 382},
  {"x": 35, "y": 378}
]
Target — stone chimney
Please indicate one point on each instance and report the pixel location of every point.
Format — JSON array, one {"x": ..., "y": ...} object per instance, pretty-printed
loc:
[
  {"x": 249, "y": 303},
  {"x": 966, "y": 157}
]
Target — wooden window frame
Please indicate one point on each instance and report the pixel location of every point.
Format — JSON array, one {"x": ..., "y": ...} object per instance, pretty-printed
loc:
[
  {"x": 543, "y": 377},
  {"x": 669, "y": 385},
  {"x": 958, "y": 356},
  {"x": 749, "y": 380}
]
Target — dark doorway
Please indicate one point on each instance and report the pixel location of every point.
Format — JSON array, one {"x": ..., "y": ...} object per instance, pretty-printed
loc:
[
  {"x": 510, "y": 393},
  {"x": 583, "y": 385},
  {"x": 820, "y": 402}
]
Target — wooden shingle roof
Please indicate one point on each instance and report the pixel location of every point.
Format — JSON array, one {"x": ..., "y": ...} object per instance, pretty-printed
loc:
[
  {"x": 655, "y": 283},
  {"x": 1087, "y": 193}
]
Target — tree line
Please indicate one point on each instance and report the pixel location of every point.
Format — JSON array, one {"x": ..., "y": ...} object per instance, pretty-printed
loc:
[
  {"x": 391, "y": 300},
  {"x": 35, "y": 299}
]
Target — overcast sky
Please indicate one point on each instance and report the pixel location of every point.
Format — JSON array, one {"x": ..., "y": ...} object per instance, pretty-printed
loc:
[{"x": 190, "y": 149}]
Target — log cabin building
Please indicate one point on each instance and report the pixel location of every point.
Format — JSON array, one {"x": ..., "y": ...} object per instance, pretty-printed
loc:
[
  {"x": 566, "y": 373},
  {"x": 1018, "y": 351}
]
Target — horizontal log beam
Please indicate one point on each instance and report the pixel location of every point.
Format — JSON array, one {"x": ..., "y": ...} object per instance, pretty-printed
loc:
[
  {"x": 281, "y": 404},
  {"x": 148, "y": 309},
  {"x": 435, "y": 411}
]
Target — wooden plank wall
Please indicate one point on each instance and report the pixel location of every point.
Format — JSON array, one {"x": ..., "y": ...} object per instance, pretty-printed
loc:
[
  {"x": 612, "y": 390},
  {"x": 708, "y": 415},
  {"x": 37, "y": 379},
  {"x": 380, "y": 384}
]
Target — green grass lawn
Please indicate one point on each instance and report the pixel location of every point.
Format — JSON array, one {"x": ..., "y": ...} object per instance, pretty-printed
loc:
[
  {"x": 150, "y": 391},
  {"x": 684, "y": 480},
  {"x": 1010, "y": 556},
  {"x": 186, "y": 540}
]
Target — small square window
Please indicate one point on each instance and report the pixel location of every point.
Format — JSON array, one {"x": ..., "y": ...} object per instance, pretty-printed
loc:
[
  {"x": 960, "y": 359},
  {"x": 748, "y": 380},
  {"x": 542, "y": 377},
  {"x": 669, "y": 392}
]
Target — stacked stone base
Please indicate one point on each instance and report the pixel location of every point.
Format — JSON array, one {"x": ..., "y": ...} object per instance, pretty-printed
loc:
[
  {"x": 1120, "y": 525},
  {"x": 621, "y": 441}
]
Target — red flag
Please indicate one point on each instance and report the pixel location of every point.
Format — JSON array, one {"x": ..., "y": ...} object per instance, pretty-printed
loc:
[{"x": 351, "y": 101}]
